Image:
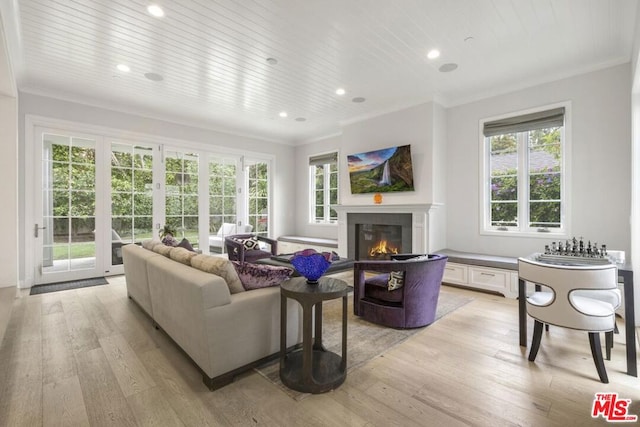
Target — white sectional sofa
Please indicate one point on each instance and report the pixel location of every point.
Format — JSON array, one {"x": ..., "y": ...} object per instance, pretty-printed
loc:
[{"x": 224, "y": 333}]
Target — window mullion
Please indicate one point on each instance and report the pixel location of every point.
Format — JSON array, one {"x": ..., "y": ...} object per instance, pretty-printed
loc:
[
  {"x": 523, "y": 181},
  {"x": 327, "y": 192},
  {"x": 312, "y": 194}
]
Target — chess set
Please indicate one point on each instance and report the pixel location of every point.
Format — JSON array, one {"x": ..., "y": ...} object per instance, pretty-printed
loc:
[{"x": 575, "y": 252}]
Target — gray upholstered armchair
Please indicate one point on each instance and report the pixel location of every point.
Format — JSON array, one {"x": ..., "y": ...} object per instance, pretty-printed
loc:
[
  {"x": 410, "y": 306},
  {"x": 238, "y": 251}
]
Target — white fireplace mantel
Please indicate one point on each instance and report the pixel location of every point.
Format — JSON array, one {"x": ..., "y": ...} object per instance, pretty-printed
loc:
[{"x": 421, "y": 222}]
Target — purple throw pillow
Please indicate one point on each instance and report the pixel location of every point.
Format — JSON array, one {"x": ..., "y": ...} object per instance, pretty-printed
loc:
[
  {"x": 256, "y": 276},
  {"x": 184, "y": 243},
  {"x": 170, "y": 241}
]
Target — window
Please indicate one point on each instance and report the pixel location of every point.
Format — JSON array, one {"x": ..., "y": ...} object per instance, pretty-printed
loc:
[
  {"x": 181, "y": 194},
  {"x": 323, "y": 176},
  {"x": 131, "y": 192},
  {"x": 69, "y": 202},
  {"x": 524, "y": 173},
  {"x": 257, "y": 185},
  {"x": 222, "y": 192}
]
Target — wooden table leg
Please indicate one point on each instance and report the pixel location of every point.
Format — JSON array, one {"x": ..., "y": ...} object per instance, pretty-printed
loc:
[{"x": 522, "y": 312}]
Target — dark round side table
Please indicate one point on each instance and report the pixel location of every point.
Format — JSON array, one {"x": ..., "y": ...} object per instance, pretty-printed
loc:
[{"x": 312, "y": 369}]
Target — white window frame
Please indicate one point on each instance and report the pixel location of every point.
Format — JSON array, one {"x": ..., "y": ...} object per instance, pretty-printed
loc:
[
  {"x": 523, "y": 229},
  {"x": 327, "y": 193}
]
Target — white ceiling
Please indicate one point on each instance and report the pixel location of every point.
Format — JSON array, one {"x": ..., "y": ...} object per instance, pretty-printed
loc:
[{"x": 212, "y": 55}]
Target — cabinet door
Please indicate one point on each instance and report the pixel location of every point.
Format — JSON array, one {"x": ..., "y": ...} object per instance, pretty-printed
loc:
[
  {"x": 455, "y": 273},
  {"x": 490, "y": 279}
]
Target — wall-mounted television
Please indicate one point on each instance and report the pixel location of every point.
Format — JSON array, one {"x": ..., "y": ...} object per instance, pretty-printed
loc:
[{"x": 381, "y": 171}]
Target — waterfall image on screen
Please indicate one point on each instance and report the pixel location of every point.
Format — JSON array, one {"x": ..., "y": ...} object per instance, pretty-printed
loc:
[
  {"x": 386, "y": 177},
  {"x": 380, "y": 171}
]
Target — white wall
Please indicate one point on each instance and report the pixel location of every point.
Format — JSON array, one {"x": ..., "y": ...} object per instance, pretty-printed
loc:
[
  {"x": 600, "y": 161},
  {"x": 423, "y": 127},
  {"x": 635, "y": 161},
  {"x": 284, "y": 178},
  {"x": 438, "y": 220},
  {"x": 412, "y": 126},
  {"x": 8, "y": 164},
  {"x": 9, "y": 189}
]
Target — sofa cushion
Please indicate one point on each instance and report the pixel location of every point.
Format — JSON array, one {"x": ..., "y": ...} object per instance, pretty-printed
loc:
[
  {"x": 220, "y": 267},
  {"x": 255, "y": 276},
  {"x": 377, "y": 287},
  {"x": 163, "y": 249},
  {"x": 182, "y": 255},
  {"x": 150, "y": 243}
]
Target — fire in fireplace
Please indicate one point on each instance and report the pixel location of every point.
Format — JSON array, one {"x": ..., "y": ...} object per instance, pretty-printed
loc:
[
  {"x": 379, "y": 241},
  {"x": 381, "y": 249}
]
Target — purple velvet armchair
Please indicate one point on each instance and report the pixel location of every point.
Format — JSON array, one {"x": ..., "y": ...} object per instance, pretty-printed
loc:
[
  {"x": 238, "y": 252},
  {"x": 410, "y": 306}
]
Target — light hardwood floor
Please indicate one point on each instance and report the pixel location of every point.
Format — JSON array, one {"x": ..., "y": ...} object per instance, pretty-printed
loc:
[{"x": 91, "y": 357}]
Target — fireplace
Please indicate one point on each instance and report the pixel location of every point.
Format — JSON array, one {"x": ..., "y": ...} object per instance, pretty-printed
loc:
[
  {"x": 378, "y": 236},
  {"x": 423, "y": 225}
]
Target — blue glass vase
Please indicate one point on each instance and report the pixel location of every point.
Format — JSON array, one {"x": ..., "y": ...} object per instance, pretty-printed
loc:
[{"x": 311, "y": 264}]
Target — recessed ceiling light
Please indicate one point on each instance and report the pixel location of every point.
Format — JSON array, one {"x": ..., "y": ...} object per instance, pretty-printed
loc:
[
  {"x": 340, "y": 91},
  {"x": 358, "y": 99},
  {"x": 154, "y": 76},
  {"x": 155, "y": 10},
  {"x": 446, "y": 68},
  {"x": 124, "y": 68},
  {"x": 433, "y": 54},
  {"x": 300, "y": 119},
  {"x": 283, "y": 114},
  {"x": 272, "y": 61}
]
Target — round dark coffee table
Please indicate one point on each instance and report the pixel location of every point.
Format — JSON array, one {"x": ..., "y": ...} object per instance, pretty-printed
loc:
[{"x": 312, "y": 369}]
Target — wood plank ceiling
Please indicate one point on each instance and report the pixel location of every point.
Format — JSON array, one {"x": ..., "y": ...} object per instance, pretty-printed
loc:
[{"x": 212, "y": 55}]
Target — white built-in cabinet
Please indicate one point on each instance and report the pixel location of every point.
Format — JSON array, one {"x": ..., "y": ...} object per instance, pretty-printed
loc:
[{"x": 498, "y": 280}]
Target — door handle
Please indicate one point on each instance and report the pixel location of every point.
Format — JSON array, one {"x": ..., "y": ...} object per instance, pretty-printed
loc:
[{"x": 35, "y": 230}]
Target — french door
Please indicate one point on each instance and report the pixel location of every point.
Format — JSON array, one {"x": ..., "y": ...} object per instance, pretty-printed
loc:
[
  {"x": 94, "y": 194},
  {"x": 132, "y": 196},
  {"x": 257, "y": 190},
  {"x": 67, "y": 207}
]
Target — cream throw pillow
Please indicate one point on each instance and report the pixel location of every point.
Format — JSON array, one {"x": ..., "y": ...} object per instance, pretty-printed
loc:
[
  {"x": 163, "y": 249},
  {"x": 182, "y": 255},
  {"x": 150, "y": 243},
  {"x": 220, "y": 267}
]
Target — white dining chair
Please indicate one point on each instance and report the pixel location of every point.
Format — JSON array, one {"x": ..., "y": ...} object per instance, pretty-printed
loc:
[
  {"x": 563, "y": 301},
  {"x": 613, "y": 297}
]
